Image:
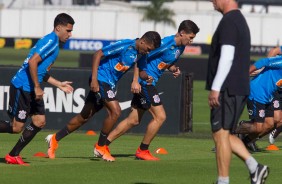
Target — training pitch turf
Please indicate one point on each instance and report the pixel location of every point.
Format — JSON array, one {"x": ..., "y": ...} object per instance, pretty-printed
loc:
[{"x": 189, "y": 160}]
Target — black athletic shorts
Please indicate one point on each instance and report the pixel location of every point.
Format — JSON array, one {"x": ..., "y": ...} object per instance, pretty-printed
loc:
[
  {"x": 277, "y": 100},
  {"x": 23, "y": 104},
  {"x": 227, "y": 115},
  {"x": 147, "y": 97},
  {"x": 258, "y": 111},
  {"x": 97, "y": 98}
]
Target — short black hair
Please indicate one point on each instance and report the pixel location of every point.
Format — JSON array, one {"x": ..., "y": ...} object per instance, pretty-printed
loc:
[
  {"x": 63, "y": 19},
  {"x": 188, "y": 26},
  {"x": 152, "y": 37}
]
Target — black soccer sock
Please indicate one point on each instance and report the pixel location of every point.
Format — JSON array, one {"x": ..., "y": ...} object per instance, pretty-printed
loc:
[
  {"x": 6, "y": 127},
  {"x": 102, "y": 139},
  {"x": 62, "y": 133},
  {"x": 108, "y": 142},
  {"x": 29, "y": 132},
  {"x": 144, "y": 146},
  {"x": 277, "y": 132}
]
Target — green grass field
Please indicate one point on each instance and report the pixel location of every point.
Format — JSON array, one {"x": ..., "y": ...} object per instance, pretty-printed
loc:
[{"x": 189, "y": 159}]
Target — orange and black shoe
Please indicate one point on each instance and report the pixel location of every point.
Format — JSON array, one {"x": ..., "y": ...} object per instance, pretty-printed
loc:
[
  {"x": 15, "y": 160},
  {"x": 103, "y": 152},
  {"x": 145, "y": 155},
  {"x": 52, "y": 145}
]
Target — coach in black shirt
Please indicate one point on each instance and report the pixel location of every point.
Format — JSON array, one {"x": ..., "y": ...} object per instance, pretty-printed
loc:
[{"x": 228, "y": 82}]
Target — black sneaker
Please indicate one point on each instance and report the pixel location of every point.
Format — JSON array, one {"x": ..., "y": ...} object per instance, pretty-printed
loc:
[{"x": 260, "y": 175}]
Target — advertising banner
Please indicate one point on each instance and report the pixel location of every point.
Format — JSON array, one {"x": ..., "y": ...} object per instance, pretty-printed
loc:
[{"x": 61, "y": 107}]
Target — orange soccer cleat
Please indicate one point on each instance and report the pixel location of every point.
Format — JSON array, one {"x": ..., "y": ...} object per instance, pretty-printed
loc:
[
  {"x": 52, "y": 145},
  {"x": 145, "y": 155},
  {"x": 103, "y": 152},
  {"x": 15, "y": 160}
]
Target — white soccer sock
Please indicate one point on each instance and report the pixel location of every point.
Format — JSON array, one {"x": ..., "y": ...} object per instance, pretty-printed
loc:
[{"x": 251, "y": 164}]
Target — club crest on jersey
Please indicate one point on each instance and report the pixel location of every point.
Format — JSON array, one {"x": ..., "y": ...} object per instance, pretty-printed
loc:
[
  {"x": 22, "y": 114},
  {"x": 250, "y": 112},
  {"x": 111, "y": 94},
  {"x": 162, "y": 66},
  {"x": 120, "y": 67},
  {"x": 275, "y": 103},
  {"x": 156, "y": 98},
  {"x": 262, "y": 113}
]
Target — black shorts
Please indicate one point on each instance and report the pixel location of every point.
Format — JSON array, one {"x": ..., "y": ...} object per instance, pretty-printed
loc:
[
  {"x": 148, "y": 96},
  {"x": 277, "y": 100},
  {"x": 23, "y": 104},
  {"x": 227, "y": 115},
  {"x": 258, "y": 111},
  {"x": 96, "y": 99}
]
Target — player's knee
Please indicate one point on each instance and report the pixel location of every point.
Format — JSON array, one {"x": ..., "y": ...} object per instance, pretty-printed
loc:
[
  {"x": 40, "y": 124},
  {"x": 134, "y": 122},
  {"x": 116, "y": 114},
  {"x": 17, "y": 126},
  {"x": 17, "y": 130},
  {"x": 161, "y": 117}
]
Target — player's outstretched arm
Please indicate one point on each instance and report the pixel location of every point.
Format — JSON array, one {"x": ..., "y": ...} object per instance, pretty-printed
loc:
[{"x": 64, "y": 86}]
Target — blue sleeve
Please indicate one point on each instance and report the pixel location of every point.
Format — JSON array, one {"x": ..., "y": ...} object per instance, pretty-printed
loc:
[
  {"x": 113, "y": 49},
  {"x": 272, "y": 62},
  {"x": 142, "y": 62},
  {"x": 45, "y": 47}
]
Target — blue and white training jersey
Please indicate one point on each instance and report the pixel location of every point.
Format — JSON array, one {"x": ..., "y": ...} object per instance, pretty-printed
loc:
[
  {"x": 48, "y": 49},
  {"x": 160, "y": 59},
  {"x": 119, "y": 57},
  {"x": 267, "y": 82}
]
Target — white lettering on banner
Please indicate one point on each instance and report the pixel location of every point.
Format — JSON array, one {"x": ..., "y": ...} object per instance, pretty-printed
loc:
[
  {"x": 64, "y": 100},
  {"x": 85, "y": 45},
  {"x": 78, "y": 100},
  {"x": 49, "y": 99},
  {"x": 61, "y": 102},
  {"x": 4, "y": 90}
]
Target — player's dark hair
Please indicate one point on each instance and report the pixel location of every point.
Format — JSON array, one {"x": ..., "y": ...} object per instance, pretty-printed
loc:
[
  {"x": 152, "y": 37},
  {"x": 63, "y": 19},
  {"x": 188, "y": 26}
]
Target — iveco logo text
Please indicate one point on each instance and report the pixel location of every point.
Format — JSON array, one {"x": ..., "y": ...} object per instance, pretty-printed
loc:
[{"x": 85, "y": 45}]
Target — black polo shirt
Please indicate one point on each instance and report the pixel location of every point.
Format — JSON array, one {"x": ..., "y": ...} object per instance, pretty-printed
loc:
[{"x": 232, "y": 30}]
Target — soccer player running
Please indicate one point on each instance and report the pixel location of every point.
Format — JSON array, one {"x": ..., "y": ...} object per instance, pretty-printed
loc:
[
  {"x": 109, "y": 65},
  {"x": 26, "y": 95},
  {"x": 228, "y": 83},
  {"x": 264, "y": 102},
  {"x": 146, "y": 96}
]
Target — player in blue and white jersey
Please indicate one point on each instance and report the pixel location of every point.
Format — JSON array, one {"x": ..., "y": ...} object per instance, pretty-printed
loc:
[
  {"x": 26, "y": 95},
  {"x": 109, "y": 65},
  {"x": 277, "y": 115},
  {"x": 146, "y": 96},
  {"x": 262, "y": 103}
]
